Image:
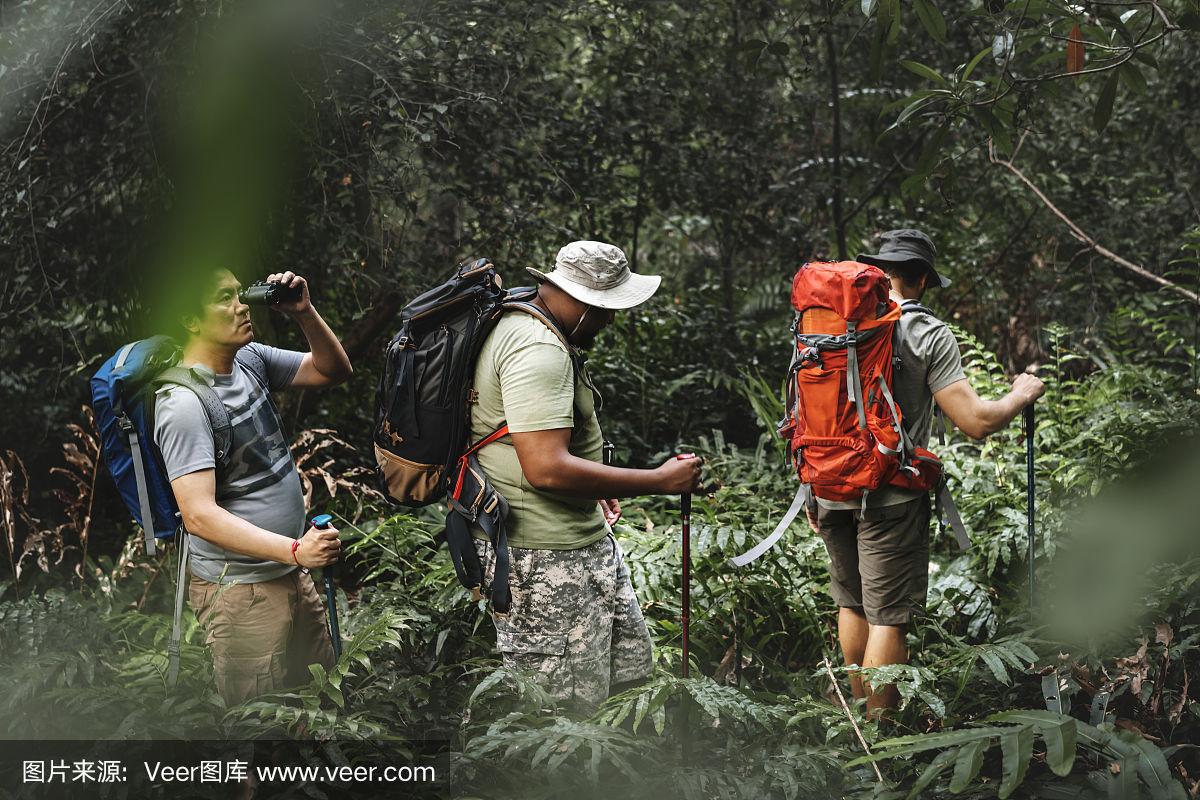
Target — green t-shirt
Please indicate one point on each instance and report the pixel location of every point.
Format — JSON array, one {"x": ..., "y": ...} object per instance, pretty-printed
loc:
[{"x": 524, "y": 376}]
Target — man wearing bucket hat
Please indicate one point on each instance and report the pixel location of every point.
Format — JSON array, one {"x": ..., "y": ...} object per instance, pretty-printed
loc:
[
  {"x": 574, "y": 623},
  {"x": 879, "y": 555}
]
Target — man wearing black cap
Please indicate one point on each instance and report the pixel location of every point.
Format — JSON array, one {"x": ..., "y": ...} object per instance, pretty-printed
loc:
[{"x": 879, "y": 556}]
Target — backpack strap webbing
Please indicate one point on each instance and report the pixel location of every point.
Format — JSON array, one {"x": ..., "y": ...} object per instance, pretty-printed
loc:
[
  {"x": 177, "y": 620},
  {"x": 214, "y": 409},
  {"x": 577, "y": 359},
  {"x": 854, "y": 391},
  {"x": 547, "y": 320},
  {"x": 947, "y": 513},
  {"x": 909, "y": 306},
  {"x": 798, "y": 502},
  {"x": 139, "y": 467},
  {"x": 253, "y": 361}
]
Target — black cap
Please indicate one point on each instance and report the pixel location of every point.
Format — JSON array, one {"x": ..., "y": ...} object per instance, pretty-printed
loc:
[{"x": 903, "y": 245}]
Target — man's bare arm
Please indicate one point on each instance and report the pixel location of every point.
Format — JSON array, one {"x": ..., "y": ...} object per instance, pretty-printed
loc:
[
  {"x": 548, "y": 465},
  {"x": 195, "y": 494},
  {"x": 327, "y": 363},
  {"x": 979, "y": 418}
]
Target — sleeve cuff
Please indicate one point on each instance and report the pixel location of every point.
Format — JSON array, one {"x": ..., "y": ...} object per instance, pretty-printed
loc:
[
  {"x": 188, "y": 469},
  {"x": 530, "y": 426},
  {"x": 942, "y": 384}
]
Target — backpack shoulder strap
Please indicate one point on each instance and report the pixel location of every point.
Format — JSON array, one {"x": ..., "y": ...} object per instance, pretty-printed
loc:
[
  {"x": 546, "y": 319},
  {"x": 577, "y": 360},
  {"x": 214, "y": 409},
  {"x": 912, "y": 306},
  {"x": 253, "y": 361}
]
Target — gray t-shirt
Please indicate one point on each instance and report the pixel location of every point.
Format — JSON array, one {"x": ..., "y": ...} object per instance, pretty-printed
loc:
[
  {"x": 260, "y": 483},
  {"x": 929, "y": 362}
]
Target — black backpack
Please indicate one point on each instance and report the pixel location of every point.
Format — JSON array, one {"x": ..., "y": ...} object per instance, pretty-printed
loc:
[{"x": 422, "y": 412}]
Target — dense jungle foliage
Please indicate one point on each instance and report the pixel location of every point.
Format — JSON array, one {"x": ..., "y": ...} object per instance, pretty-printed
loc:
[{"x": 1049, "y": 148}]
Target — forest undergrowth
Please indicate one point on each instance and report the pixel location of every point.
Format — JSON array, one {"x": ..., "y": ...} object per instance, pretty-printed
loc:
[{"x": 1086, "y": 694}]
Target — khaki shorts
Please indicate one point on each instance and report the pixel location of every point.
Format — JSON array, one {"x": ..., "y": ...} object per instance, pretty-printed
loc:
[
  {"x": 879, "y": 561},
  {"x": 574, "y": 623},
  {"x": 263, "y": 635}
]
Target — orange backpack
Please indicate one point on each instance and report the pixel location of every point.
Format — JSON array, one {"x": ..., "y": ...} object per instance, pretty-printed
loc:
[{"x": 845, "y": 433}]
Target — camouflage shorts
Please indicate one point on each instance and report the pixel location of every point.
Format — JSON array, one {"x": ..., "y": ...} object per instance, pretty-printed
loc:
[{"x": 574, "y": 623}]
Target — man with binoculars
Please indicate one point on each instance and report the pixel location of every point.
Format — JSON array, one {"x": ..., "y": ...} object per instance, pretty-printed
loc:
[{"x": 249, "y": 550}]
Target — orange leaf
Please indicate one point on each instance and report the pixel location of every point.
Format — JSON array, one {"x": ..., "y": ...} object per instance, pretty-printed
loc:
[{"x": 1075, "y": 51}]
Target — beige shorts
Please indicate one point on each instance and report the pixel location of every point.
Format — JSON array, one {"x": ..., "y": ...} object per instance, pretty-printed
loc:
[
  {"x": 879, "y": 560},
  {"x": 574, "y": 625},
  {"x": 263, "y": 635}
]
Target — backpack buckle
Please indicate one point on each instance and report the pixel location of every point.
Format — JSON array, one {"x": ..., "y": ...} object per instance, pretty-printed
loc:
[{"x": 125, "y": 423}]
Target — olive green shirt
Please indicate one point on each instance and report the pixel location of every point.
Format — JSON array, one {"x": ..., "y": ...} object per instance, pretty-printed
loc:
[{"x": 524, "y": 376}]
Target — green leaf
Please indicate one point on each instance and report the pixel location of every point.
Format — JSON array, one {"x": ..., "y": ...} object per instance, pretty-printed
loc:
[
  {"x": 931, "y": 19},
  {"x": 916, "y": 106},
  {"x": 1104, "y": 103},
  {"x": 1125, "y": 787},
  {"x": 968, "y": 763},
  {"x": 929, "y": 775},
  {"x": 893, "y": 28},
  {"x": 1146, "y": 58},
  {"x": 907, "y": 745},
  {"x": 996, "y": 665},
  {"x": 913, "y": 184},
  {"x": 1153, "y": 769},
  {"x": 932, "y": 150},
  {"x": 778, "y": 48},
  {"x": 1058, "y": 730},
  {"x": 1132, "y": 77},
  {"x": 973, "y": 63},
  {"x": 1060, "y": 747},
  {"x": 1016, "y": 745},
  {"x": 918, "y": 68}
]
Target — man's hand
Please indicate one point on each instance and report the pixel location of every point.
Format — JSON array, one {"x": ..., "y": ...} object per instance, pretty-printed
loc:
[
  {"x": 680, "y": 475},
  {"x": 319, "y": 547},
  {"x": 612, "y": 511},
  {"x": 293, "y": 280},
  {"x": 812, "y": 518},
  {"x": 1029, "y": 387}
]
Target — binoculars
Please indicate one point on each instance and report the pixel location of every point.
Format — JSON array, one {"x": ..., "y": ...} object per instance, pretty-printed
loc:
[{"x": 262, "y": 293}]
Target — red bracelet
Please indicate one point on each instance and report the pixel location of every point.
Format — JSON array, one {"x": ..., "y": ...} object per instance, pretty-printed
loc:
[{"x": 296, "y": 544}]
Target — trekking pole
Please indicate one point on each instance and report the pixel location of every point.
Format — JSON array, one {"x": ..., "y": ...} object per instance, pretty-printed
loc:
[
  {"x": 1030, "y": 499},
  {"x": 335, "y": 635},
  {"x": 685, "y": 516}
]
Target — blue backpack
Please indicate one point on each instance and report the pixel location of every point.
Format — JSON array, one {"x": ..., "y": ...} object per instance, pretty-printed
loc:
[{"x": 123, "y": 393}]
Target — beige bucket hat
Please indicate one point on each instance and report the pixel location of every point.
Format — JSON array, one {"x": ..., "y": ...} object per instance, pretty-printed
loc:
[{"x": 598, "y": 274}]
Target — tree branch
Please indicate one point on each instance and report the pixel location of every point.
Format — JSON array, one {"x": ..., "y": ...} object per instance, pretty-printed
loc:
[{"x": 1087, "y": 240}]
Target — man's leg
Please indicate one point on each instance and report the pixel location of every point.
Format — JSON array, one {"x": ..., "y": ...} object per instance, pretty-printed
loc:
[
  {"x": 893, "y": 557},
  {"x": 310, "y": 643},
  {"x": 839, "y": 530},
  {"x": 533, "y": 636},
  {"x": 631, "y": 652},
  {"x": 885, "y": 645},
  {"x": 247, "y": 627},
  {"x": 852, "y": 635}
]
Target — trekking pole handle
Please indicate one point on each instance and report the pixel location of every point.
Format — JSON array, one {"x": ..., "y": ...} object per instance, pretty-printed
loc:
[{"x": 319, "y": 522}]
